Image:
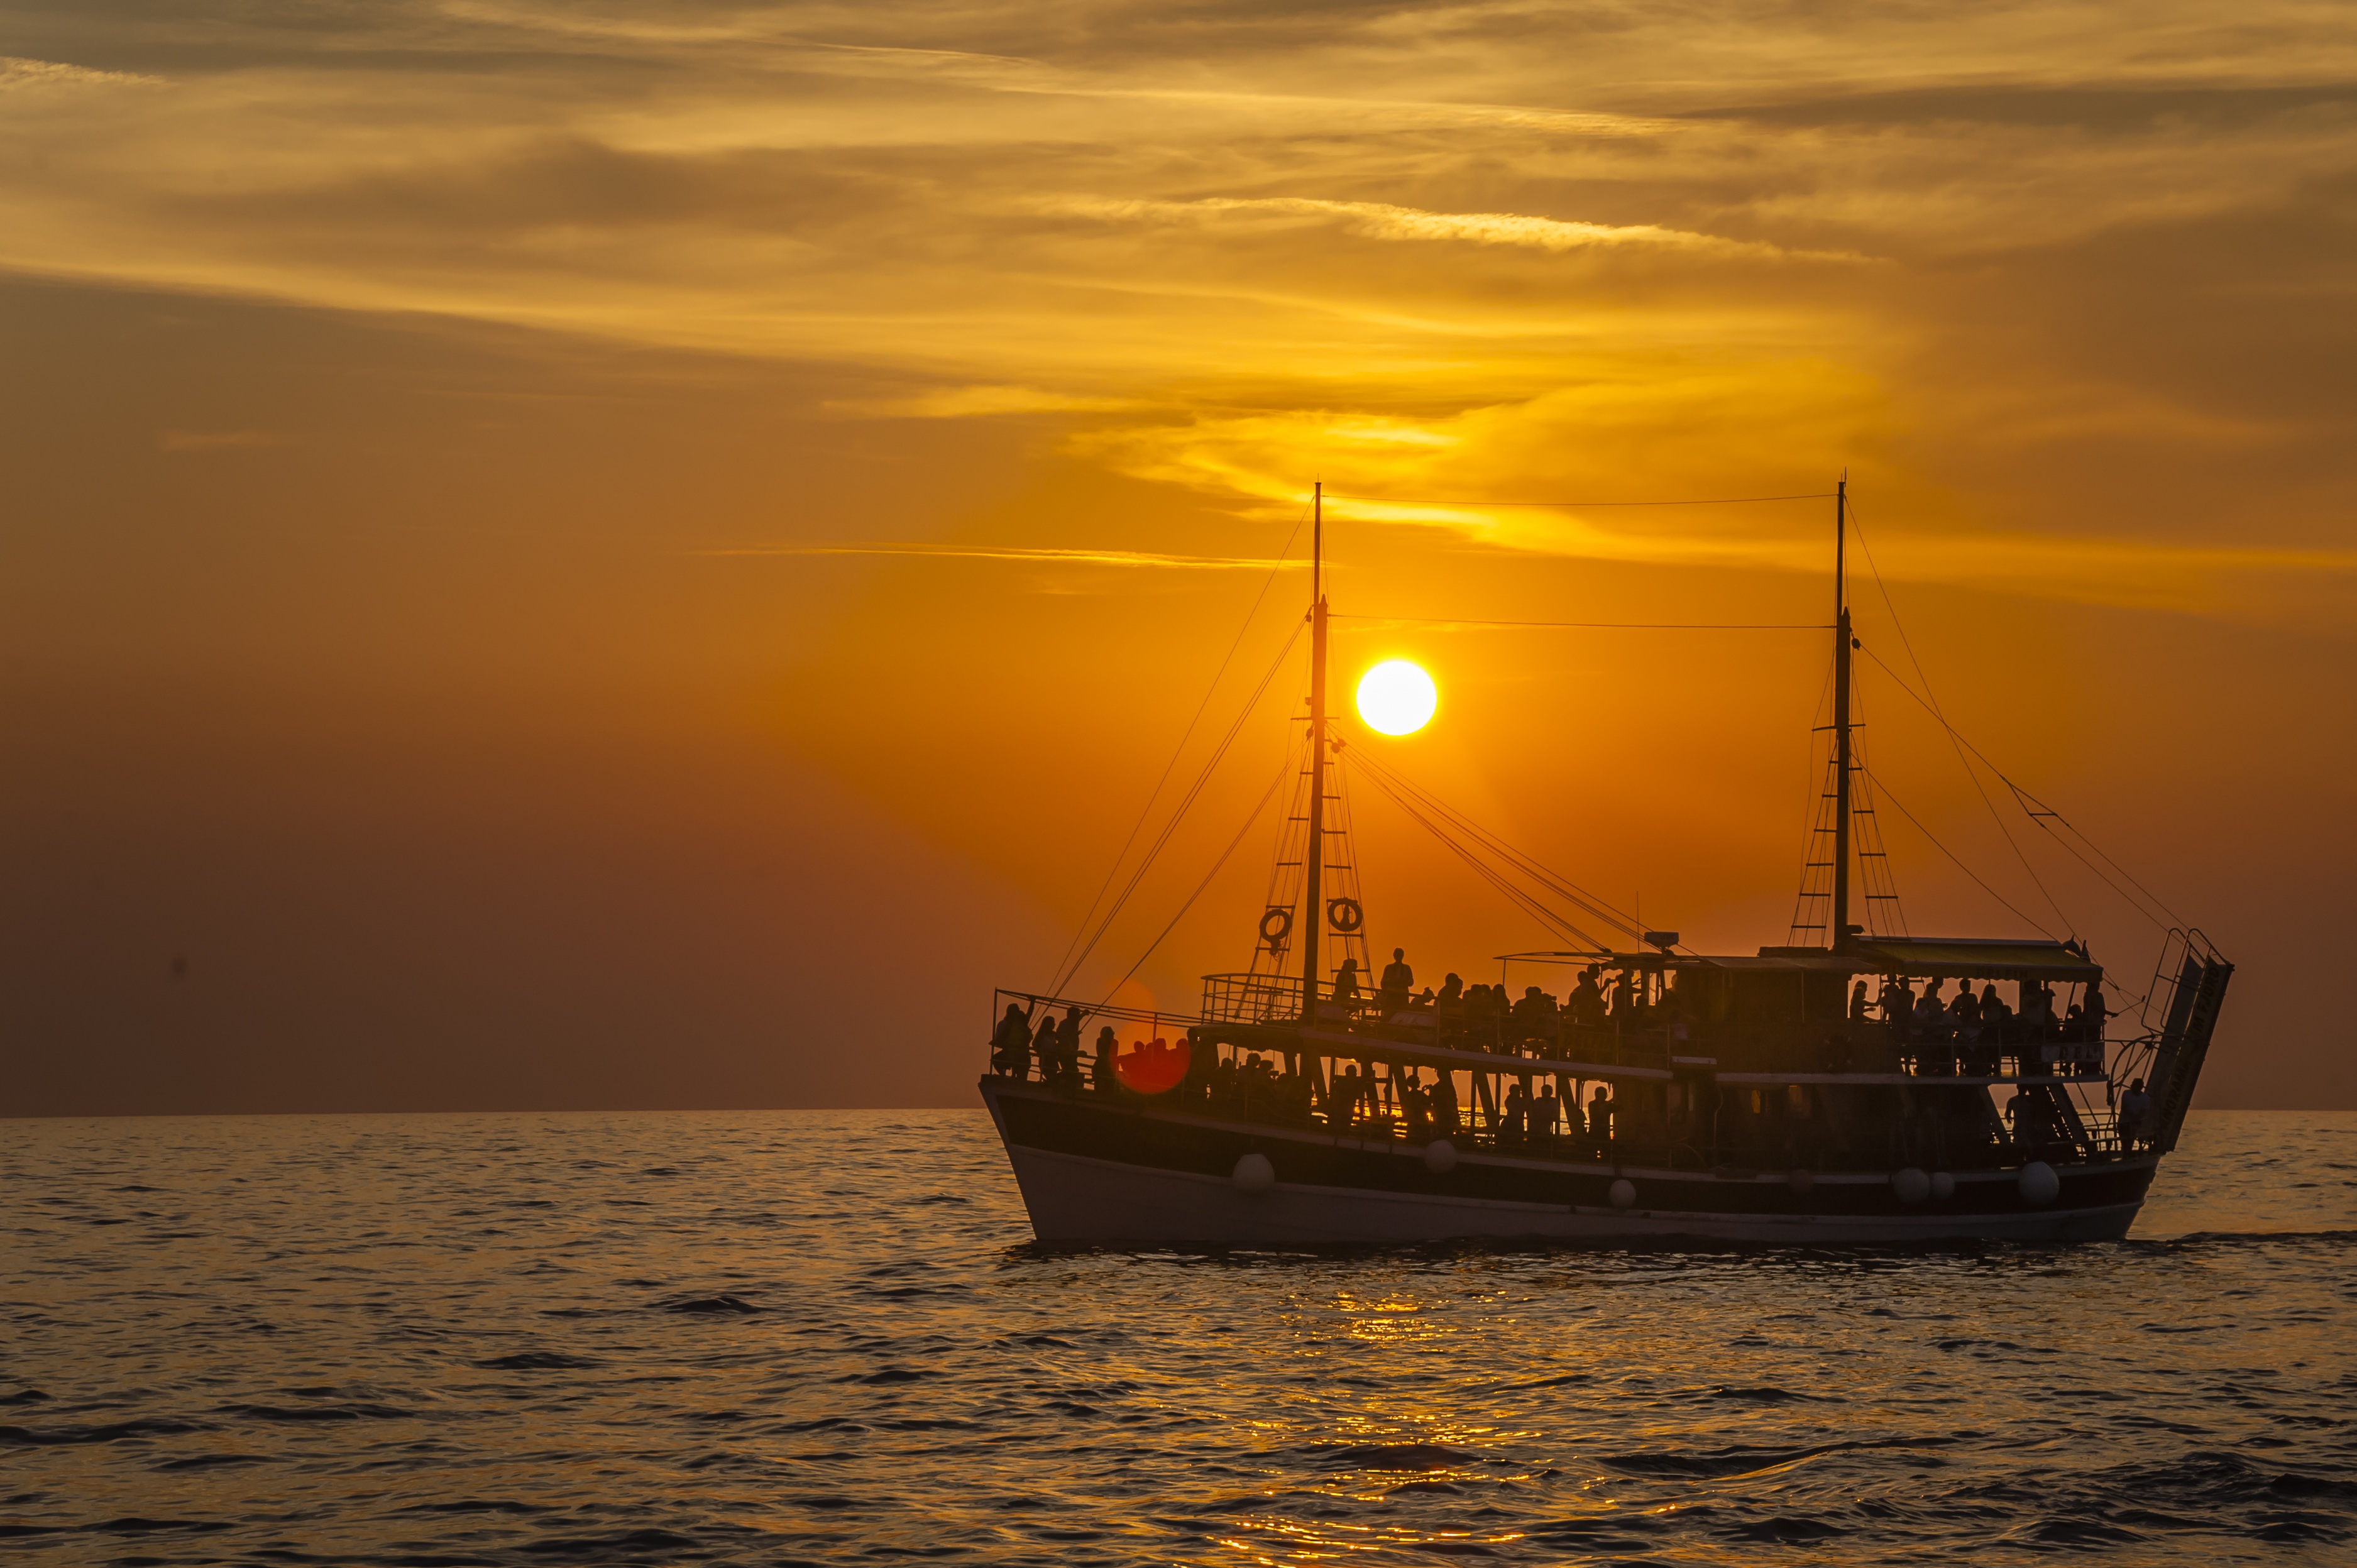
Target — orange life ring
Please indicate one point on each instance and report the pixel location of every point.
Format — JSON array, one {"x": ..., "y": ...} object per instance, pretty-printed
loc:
[{"x": 1345, "y": 916}]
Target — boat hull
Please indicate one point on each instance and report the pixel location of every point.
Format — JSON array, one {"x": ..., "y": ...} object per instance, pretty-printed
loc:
[{"x": 1096, "y": 1171}]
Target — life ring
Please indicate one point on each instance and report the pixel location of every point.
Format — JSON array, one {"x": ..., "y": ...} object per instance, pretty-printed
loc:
[
  {"x": 1345, "y": 916},
  {"x": 1281, "y": 917}
]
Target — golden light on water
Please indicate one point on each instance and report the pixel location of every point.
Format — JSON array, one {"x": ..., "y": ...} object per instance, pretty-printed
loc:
[{"x": 1397, "y": 697}]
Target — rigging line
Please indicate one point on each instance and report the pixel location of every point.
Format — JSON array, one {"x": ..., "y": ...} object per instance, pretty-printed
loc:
[
  {"x": 1266, "y": 795},
  {"x": 1723, "y": 501},
  {"x": 2026, "y": 799},
  {"x": 1944, "y": 849},
  {"x": 1528, "y": 865},
  {"x": 1813, "y": 813},
  {"x": 1401, "y": 788},
  {"x": 2044, "y": 810},
  {"x": 1180, "y": 813},
  {"x": 1954, "y": 739},
  {"x": 1596, "y": 625},
  {"x": 1180, "y": 750},
  {"x": 1514, "y": 895}
]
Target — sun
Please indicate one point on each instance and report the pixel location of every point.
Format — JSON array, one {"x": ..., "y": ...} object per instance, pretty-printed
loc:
[{"x": 1396, "y": 698}]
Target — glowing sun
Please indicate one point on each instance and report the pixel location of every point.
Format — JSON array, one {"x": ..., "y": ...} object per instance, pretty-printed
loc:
[{"x": 1396, "y": 698}]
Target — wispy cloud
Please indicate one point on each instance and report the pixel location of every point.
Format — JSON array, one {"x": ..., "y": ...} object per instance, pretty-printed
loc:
[
  {"x": 1381, "y": 220},
  {"x": 968, "y": 403},
  {"x": 17, "y": 72},
  {"x": 1034, "y": 555}
]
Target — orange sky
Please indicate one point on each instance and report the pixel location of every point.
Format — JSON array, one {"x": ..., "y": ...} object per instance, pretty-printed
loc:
[{"x": 648, "y": 555}]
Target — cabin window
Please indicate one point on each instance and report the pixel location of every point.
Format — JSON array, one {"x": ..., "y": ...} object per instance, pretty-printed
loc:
[
  {"x": 1758, "y": 1104},
  {"x": 1796, "y": 1099}
]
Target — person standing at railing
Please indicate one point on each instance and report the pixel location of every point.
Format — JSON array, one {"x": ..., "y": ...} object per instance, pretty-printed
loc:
[
  {"x": 1342, "y": 1099},
  {"x": 1059, "y": 1050},
  {"x": 1517, "y": 1117},
  {"x": 1102, "y": 1076},
  {"x": 1445, "y": 1105},
  {"x": 2136, "y": 1113},
  {"x": 1346, "y": 987},
  {"x": 1449, "y": 1014},
  {"x": 1010, "y": 1047},
  {"x": 1542, "y": 1113},
  {"x": 1599, "y": 1120},
  {"x": 1897, "y": 1003},
  {"x": 1585, "y": 1005},
  {"x": 1397, "y": 982}
]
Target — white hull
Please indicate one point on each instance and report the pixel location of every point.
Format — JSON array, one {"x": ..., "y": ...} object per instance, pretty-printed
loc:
[{"x": 1075, "y": 1199}]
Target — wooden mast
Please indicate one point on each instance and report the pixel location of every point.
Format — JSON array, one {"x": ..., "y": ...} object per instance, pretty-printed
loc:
[
  {"x": 1841, "y": 933},
  {"x": 1314, "y": 858}
]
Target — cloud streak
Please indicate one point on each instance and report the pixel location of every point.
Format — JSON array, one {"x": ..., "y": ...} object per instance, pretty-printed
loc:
[{"x": 1032, "y": 555}]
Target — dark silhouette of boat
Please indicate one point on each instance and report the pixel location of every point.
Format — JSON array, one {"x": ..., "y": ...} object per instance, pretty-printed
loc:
[{"x": 1759, "y": 1098}]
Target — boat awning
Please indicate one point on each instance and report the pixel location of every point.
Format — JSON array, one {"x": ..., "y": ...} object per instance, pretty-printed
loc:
[{"x": 1976, "y": 959}]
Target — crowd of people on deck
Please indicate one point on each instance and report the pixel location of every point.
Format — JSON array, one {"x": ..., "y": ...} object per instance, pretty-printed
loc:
[
  {"x": 1382, "y": 1099},
  {"x": 1974, "y": 1032},
  {"x": 1970, "y": 1034},
  {"x": 1491, "y": 1019}
]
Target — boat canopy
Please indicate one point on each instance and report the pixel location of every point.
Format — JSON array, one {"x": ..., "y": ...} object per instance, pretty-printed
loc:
[
  {"x": 1944, "y": 958},
  {"x": 1921, "y": 958}
]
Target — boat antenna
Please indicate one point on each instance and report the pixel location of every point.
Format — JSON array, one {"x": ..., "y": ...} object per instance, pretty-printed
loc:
[
  {"x": 1841, "y": 932},
  {"x": 1313, "y": 859}
]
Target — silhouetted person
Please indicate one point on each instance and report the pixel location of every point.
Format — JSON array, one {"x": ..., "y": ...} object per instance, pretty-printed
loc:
[
  {"x": 1518, "y": 1105},
  {"x": 1068, "y": 1048},
  {"x": 1416, "y": 1109},
  {"x": 1585, "y": 1005},
  {"x": 1859, "y": 1008},
  {"x": 1010, "y": 1047},
  {"x": 1102, "y": 1076},
  {"x": 1898, "y": 1002},
  {"x": 1931, "y": 1013},
  {"x": 1346, "y": 983},
  {"x": 1533, "y": 1016},
  {"x": 1397, "y": 982},
  {"x": 1444, "y": 1105},
  {"x": 2135, "y": 1115},
  {"x": 1448, "y": 1014},
  {"x": 1600, "y": 1117},
  {"x": 1342, "y": 1100},
  {"x": 1542, "y": 1113}
]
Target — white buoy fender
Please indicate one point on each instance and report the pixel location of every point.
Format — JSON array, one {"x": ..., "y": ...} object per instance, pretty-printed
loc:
[
  {"x": 1441, "y": 1156},
  {"x": 1624, "y": 1193},
  {"x": 2039, "y": 1184},
  {"x": 1943, "y": 1187},
  {"x": 1911, "y": 1184},
  {"x": 1254, "y": 1173}
]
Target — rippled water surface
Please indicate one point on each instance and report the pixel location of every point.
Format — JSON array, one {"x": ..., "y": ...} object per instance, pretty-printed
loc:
[{"x": 768, "y": 1339}]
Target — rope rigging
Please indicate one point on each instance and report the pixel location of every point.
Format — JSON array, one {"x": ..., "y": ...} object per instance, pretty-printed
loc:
[
  {"x": 1179, "y": 751},
  {"x": 1283, "y": 770},
  {"x": 1178, "y": 815},
  {"x": 2167, "y": 919},
  {"x": 1954, "y": 739},
  {"x": 1431, "y": 812}
]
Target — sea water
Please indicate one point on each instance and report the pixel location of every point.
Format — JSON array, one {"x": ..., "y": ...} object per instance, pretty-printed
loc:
[{"x": 799, "y": 1337}]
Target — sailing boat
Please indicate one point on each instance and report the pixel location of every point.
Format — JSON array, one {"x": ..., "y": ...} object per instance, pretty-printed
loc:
[{"x": 1752, "y": 1098}]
